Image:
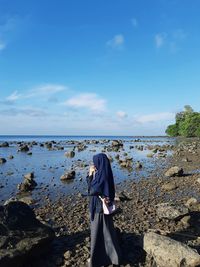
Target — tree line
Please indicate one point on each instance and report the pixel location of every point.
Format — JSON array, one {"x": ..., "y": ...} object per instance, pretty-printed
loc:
[{"x": 187, "y": 124}]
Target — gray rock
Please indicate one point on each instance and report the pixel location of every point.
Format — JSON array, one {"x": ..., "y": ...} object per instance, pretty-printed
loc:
[
  {"x": 68, "y": 175},
  {"x": 117, "y": 143},
  {"x": 23, "y": 148},
  {"x": 138, "y": 165},
  {"x": 2, "y": 160},
  {"x": 70, "y": 154},
  {"x": 28, "y": 184},
  {"x": 174, "y": 171},
  {"x": 122, "y": 196},
  {"x": 48, "y": 145},
  {"x": 22, "y": 236},
  {"x": 67, "y": 255},
  {"x": 169, "y": 253},
  {"x": 150, "y": 155},
  {"x": 185, "y": 221},
  {"x": 4, "y": 144},
  {"x": 29, "y": 176},
  {"x": 171, "y": 211},
  {"x": 191, "y": 201},
  {"x": 169, "y": 186}
]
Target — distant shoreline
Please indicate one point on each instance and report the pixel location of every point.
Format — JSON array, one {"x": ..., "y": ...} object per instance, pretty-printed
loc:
[{"x": 43, "y": 135}]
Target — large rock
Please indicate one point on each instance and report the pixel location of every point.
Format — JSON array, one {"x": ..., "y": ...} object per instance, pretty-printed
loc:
[
  {"x": 22, "y": 236},
  {"x": 174, "y": 171},
  {"x": 171, "y": 211},
  {"x": 168, "y": 252}
]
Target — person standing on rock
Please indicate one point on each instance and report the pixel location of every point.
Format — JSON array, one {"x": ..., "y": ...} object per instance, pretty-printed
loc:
[{"x": 104, "y": 244}]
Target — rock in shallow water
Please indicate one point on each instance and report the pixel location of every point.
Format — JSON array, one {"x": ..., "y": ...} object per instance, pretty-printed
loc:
[
  {"x": 4, "y": 144},
  {"x": 2, "y": 160},
  {"x": 23, "y": 148},
  {"x": 28, "y": 184},
  {"x": 70, "y": 154},
  {"x": 22, "y": 236},
  {"x": 68, "y": 175}
]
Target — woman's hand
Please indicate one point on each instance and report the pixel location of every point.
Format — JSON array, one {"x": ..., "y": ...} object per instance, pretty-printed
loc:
[{"x": 92, "y": 170}]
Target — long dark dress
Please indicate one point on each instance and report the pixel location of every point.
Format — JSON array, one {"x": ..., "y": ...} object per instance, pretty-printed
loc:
[
  {"x": 104, "y": 244},
  {"x": 105, "y": 248}
]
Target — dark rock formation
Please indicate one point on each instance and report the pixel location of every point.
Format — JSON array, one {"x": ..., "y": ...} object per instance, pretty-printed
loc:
[{"x": 22, "y": 236}]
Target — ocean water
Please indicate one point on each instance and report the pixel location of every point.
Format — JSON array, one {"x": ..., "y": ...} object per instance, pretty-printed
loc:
[
  {"x": 49, "y": 165},
  {"x": 44, "y": 138}
]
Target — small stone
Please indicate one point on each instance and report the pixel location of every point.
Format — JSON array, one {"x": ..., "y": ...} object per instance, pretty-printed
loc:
[
  {"x": 138, "y": 165},
  {"x": 185, "y": 221},
  {"x": 68, "y": 175},
  {"x": 169, "y": 186},
  {"x": 191, "y": 201},
  {"x": 29, "y": 176},
  {"x": 23, "y": 148},
  {"x": 2, "y": 160},
  {"x": 67, "y": 254},
  {"x": 150, "y": 155},
  {"x": 70, "y": 154}
]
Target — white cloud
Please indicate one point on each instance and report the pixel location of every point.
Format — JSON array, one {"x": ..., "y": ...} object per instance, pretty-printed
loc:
[
  {"x": 117, "y": 41},
  {"x": 13, "y": 97},
  {"x": 89, "y": 101},
  {"x": 156, "y": 117},
  {"x": 42, "y": 90},
  {"x": 160, "y": 39},
  {"x": 134, "y": 22},
  {"x": 170, "y": 39},
  {"x": 45, "y": 89},
  {"x": 121, "y": 114}
]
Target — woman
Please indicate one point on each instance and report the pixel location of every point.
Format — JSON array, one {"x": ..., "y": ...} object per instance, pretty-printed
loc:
[{"x": 104, "y": 245}]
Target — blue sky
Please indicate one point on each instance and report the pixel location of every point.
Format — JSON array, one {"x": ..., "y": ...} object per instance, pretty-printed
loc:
[{"x": 97, "y": 67}]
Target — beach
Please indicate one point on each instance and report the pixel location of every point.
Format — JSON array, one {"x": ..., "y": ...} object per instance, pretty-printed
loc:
[{"x": 144, "y": 181}]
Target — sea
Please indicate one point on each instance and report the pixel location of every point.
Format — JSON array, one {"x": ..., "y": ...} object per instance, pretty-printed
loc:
[{"x": 49, "y": 165}]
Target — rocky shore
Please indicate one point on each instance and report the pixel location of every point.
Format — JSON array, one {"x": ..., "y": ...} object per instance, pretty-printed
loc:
[{"x": 158, "y": 216}]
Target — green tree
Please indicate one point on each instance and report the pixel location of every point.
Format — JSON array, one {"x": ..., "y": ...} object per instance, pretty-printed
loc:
[
  {"x": 172, "y": 130},
  {"x": 188, "y": 127},
  {"x": 187, "y": 124}
]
